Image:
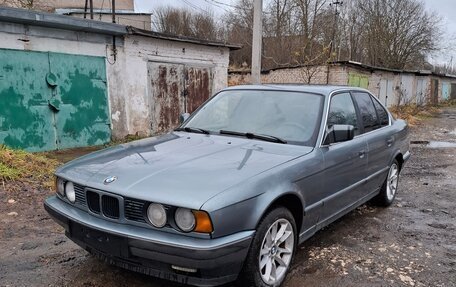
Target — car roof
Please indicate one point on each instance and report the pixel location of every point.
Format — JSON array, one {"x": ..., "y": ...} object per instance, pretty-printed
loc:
[{"x": 318, "y": 89}]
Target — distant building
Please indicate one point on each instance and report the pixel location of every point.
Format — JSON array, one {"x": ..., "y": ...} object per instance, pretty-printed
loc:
[
  {"x": 391, "y": 86},
  {"x": 102, "y": 10}
]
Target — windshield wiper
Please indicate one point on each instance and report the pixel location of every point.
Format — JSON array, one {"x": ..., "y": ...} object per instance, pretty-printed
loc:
[
  {"x": 263, "y": 137},
  {"x": 193, "y": 130}
]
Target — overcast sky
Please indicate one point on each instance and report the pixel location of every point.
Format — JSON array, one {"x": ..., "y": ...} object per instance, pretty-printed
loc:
[{"x": 446, "y": 9}]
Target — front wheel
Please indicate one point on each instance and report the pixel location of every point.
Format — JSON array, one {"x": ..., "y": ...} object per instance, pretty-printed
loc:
[
  {"x": 272, "y": 250},
  {"x": 389, "y": 188}
]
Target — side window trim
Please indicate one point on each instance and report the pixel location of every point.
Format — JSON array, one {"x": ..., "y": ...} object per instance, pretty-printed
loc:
[
  {"x": 377, "y": 126},
  {"x": 374, "y": 98},
  {"x": 325, "y": 122},
  {"x": 358, "y": 114}
]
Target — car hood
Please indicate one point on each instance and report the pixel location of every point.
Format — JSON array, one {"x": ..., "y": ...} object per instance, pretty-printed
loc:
[{"x": 179, "y": 168}]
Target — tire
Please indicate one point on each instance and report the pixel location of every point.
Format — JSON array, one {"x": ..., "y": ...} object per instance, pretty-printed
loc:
[
  {"x": 252, "y": 274},
  {"x": 388, "y": 190}
]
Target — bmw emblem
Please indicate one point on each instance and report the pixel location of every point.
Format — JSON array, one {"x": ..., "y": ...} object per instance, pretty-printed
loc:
[{"x": 110, "y": 179}]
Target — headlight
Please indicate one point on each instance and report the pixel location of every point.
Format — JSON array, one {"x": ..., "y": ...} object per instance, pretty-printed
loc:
[
  {"x": 156, "y": 214},
  {"x": 60, "y": 186},
  {"x": 69, "y": 191},
  {"x": 185, "y": 219}
]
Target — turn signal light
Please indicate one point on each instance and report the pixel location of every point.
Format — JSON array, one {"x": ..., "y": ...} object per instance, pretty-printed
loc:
[{"x": 203, "y": 222}]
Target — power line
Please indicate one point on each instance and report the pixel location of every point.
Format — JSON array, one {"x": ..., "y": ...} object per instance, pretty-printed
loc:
[{"x": 194, "y": 6}]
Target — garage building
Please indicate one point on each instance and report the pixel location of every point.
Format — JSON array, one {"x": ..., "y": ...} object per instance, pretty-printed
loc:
[{"x": 68, "y": 82}]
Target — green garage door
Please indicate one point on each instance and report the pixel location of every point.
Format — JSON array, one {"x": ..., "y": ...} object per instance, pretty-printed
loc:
[{"x": 52, "y": 101}]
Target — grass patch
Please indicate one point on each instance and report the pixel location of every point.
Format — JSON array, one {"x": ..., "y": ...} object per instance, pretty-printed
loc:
[
  {"x": 18, "y": 166},
  {"x": 414, "y": 114}
]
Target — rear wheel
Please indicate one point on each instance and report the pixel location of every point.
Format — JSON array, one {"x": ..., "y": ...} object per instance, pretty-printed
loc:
[
  {"x": 272, "y": 250},
  {"x": 389, "y": 188}
]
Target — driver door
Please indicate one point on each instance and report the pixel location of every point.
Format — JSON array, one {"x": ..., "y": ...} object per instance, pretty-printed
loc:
[{"x": 345, "y": 163}]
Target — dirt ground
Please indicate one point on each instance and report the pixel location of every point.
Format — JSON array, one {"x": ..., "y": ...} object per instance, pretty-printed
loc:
[{"x": 412, "y": 243}]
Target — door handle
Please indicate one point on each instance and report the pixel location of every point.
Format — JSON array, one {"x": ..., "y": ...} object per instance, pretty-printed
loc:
[
  {"x": 361, "y": 153},
  {"x": 390, "y": 141}
]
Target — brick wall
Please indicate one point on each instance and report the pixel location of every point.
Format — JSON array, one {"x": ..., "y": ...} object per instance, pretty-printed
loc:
[{"x": 391, "y": 87}]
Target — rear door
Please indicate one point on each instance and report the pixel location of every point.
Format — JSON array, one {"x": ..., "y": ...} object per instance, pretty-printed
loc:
[
  {"x": 379, "y": 137},
  {"x": 345, "y": 162}
]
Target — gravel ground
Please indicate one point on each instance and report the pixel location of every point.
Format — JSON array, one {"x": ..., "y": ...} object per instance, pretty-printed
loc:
[{"x": 412, "y": 243}]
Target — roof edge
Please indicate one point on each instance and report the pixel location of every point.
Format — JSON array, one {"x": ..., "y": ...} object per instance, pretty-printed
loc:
[
  {"x": 146, "y": 33},
  {"x": 50, "y": 20}
]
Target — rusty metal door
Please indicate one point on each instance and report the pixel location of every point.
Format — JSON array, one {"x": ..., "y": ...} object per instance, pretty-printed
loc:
[
  {"x": 453, "y": 92},
  {"x": 175, "y": 89},
  {"x": 167, "y": 95},
  {"x": 198, "y": 87},
  {"x": 434, "y": 92}
]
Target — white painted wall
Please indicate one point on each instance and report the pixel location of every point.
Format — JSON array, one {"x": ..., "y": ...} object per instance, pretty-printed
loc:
[{"x": 129, "y": 93}]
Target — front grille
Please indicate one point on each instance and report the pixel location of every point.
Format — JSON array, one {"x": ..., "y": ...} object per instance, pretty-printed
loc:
[
  {"x": 93, "y": 201},
  {"x": 134, "y": 210},
  {"x": 80, "y": 194},
  {"x": 110, "y": 206}
]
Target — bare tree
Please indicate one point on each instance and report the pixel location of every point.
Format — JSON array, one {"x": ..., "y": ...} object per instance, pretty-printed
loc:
[
  {"x": 397, "y": 33},
  {"x": 186, "y": 23},
  {"x": 41, "y": 5}
]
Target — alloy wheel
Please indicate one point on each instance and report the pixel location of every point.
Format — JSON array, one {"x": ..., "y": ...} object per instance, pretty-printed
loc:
[
  {"x": 276, "y": 251},
  {"x": 393, "y": 179}
]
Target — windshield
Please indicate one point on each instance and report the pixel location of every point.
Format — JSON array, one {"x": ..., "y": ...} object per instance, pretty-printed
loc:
[{"x": 291, "y": 116}]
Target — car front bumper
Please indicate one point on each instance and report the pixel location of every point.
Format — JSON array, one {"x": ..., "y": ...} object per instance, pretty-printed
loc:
[{"x": 217, "y": 261}]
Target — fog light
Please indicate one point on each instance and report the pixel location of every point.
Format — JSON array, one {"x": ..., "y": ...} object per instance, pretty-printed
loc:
[
  {"x": 156, "y": 214},
  {"x": 185, "y": 219},
  {"x": 69, "y": 192},
  {"x": 184, "y": 269}
]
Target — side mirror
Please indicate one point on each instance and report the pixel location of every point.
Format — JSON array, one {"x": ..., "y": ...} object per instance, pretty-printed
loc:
[
  {"x": 183, "y": 117},
  {"x": 339, "y": 133}
]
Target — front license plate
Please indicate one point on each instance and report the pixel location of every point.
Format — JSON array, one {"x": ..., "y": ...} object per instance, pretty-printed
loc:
[{"x": 99, "y": 240}]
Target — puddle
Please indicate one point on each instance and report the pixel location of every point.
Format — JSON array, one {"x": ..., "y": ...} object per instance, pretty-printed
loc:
[{"x": 435, "y": 144}]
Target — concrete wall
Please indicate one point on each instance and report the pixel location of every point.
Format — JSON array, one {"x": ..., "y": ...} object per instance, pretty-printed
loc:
[
  {"x": 130, "y": 98},
  {"x": 141, "y": 21},
  {"x": 390, "y": 87},
  {"x": 97, "y": 4},
  {"x": 127, "y": 77}
]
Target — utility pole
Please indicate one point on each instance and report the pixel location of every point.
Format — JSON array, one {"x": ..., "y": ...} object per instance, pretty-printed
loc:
[
  {"x": 113, "y": 10},
  {"x": 257, "y": 41},
  {"x": 336, "y": 14},
  {"x": 85, "y": 8},
  {"x": 91, "y": 9}
]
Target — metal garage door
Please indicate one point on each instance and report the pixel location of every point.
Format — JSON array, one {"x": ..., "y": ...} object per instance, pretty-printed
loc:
[
  {"x": 52, "y": 101},
  {"x": 175, "y": 89}
]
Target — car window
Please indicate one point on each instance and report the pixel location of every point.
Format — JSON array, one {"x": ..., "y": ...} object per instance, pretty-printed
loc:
[
  {"x": 342, "y": 111},
  {"x": 292, "y": 116},
  {"x": 367, "y": 110},
  {"x": 381, "y": 113}
]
